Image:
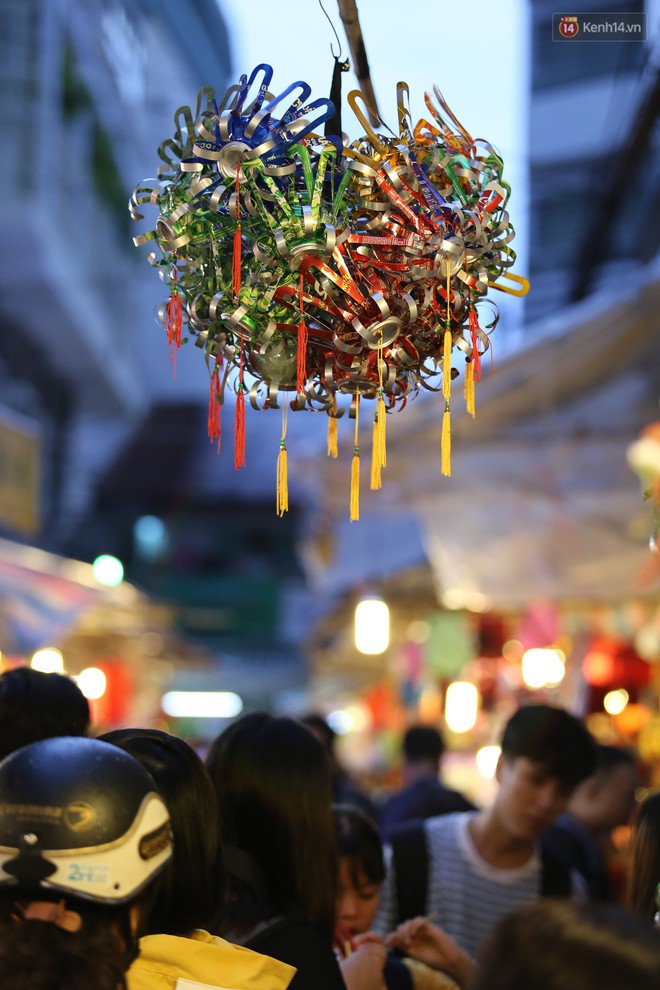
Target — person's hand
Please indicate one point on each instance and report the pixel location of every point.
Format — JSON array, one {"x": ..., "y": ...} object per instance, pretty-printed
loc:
[
  {"x": 367, "y": 937},
  {"x": 423, "y": 940},
  {"x": 363, "y": 969}
]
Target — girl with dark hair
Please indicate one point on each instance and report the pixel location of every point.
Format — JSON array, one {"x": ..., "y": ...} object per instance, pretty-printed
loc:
[
  {"x": 643, "y": 894},
  {"x": 361, "y": 872},
  {"x": 273, "y": 787},
  {"x": 83, "y": 835},
  {"x": 175, "y": 944}
]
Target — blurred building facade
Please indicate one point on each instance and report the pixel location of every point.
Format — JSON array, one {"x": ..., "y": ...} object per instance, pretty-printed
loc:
[
  {"x": 594, "y": 162},
  {"x": 89, "y": 89},
  {"x": 94, "y": 432}
]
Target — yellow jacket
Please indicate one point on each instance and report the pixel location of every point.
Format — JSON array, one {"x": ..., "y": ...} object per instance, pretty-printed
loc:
[{"x": 204, "y": 962}]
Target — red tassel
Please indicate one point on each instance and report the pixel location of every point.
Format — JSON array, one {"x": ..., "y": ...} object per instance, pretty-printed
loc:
[
  {"x": 238, "y": 246},
  {"x": 301, "y": 353},
  {"x": 214, "y": 422},
  {"x": 174, "y": 322},
  {"x": 239, "y": 428},
  {"x": 301, "y": 363}
]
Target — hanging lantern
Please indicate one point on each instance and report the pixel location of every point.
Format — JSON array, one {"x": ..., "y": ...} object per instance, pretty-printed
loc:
[
  {"x": 301, "y": 264},
  {"x": 372, "y": 625},
  {"x": 461, "y": 706}
]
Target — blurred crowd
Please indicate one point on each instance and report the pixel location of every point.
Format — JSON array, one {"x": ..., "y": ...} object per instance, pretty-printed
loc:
[{"x": 128, "y": 862}]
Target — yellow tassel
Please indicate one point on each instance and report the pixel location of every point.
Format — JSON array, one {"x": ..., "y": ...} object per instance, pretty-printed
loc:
[
  {"x": 282, "y": 481},
  {"x": 376, "y": 481},
  {"x": 333, "y": 450},
  {"x": 446, "y": 351},
  {"x": 355, "y": 486},
  {"x": 282, "y": 503},
  {"x": 469, "y": 388},
  {"x": 446, "y": 366},
  {"x": 382, "y": 434},
  {"x": 355, "y": 468},
  {"x": 379, "y": 447},
  {"x": 446, "y": 442}
]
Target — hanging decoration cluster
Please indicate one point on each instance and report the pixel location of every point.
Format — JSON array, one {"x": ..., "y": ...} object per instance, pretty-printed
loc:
[{"x": 307, "y": 269}]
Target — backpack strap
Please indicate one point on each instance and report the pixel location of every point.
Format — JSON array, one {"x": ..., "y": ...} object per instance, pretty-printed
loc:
[
  {"x": 411, "y": 860},
  {"x": 555, "y": 875}
]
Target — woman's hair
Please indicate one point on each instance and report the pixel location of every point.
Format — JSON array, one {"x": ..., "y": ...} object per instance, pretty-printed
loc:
[
  {"x": 186, "y": 890},
  {"x": 644, "y": 859},
  {"x": 358, "y": 841},
  {"x": 563, "y": 945},
  {"x": 272, "y": 780},
  {"x": 35, "y": 705},
  {"x": 38, "y": 955}
]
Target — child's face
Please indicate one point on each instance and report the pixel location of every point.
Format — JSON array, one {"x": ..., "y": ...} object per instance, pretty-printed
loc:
[{"x": 357, "y": 903}]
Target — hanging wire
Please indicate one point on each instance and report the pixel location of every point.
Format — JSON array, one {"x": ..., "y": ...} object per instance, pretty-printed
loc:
[{"x": 334, "y": 31}]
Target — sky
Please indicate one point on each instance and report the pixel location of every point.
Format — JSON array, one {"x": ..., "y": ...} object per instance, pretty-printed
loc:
[{"x": 474, "y": 51}]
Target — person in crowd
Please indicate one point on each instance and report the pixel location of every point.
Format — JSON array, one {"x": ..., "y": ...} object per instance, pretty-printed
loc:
[
  {"x": 175, "y": 944},
  {"x": 272, "y": 781},
  {"x": 35, "y": 705},
  {"x": 643, "y": 887},
  {"x": 422, "y": 795},
  {"x": 550, "y": 945},
  {"x": 562, "y": 945},
  {"x": 580, "y": 836},
  {"x": 83, "y": 837},
  {"x": 361, "y": 872},
  {"x": 469, "y": 869},
  {"x": 344, "y": 789}
]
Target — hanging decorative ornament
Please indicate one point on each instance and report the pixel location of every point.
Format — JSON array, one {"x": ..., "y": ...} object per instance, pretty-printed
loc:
[
  {"x": 644, "y": 458},
  {"x": 306, "y": 266}
]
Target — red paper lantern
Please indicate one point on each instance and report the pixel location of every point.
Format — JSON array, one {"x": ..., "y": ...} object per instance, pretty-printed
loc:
[{"x": 613, "y": 662}]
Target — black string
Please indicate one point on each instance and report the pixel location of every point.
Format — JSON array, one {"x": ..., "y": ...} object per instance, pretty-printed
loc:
[
  {"x": 338, "y": 56},
  {"x": 333, "y": 125}
]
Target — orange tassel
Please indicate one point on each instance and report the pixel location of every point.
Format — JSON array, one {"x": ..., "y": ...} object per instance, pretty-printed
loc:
[
  {"x": 214, "y": 423},
  {"x": 355, "y": 486},
  {"x": 446, "y": 366},
  {"x": 378, "y": 450},
  {"x": 282, "y": 499},
  {"x": 282, "y": 481},
  {"x": 239, "y": 428},
  {"x": 333, "y": 449},
  {"x": 355, "y": 468},
  {"x": 446, "y": 442},
  {"x": 446, "y": 350},
  {"x": 469, "y": 388},
  {"x": 382, "y": 418},
  {"x": 238, "y": 246},
  {"x": 376, "y": 480}
]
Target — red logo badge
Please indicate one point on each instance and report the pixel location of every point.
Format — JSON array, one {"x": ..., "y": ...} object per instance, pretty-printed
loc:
[{"x": 568, "y": 27}]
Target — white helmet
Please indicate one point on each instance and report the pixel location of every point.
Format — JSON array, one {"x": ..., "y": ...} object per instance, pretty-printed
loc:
[{"x": 82, "y": 817}]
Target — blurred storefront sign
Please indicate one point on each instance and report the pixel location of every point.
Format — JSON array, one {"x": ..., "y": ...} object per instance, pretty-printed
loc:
[{"x": 20, "y": 462}]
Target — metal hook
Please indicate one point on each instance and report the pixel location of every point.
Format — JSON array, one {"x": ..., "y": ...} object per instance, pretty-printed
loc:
[{"x": 334, "y": 31}]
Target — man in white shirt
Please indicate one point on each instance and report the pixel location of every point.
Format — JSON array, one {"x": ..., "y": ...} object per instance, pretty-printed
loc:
[{"x": 480, "y": 865}]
